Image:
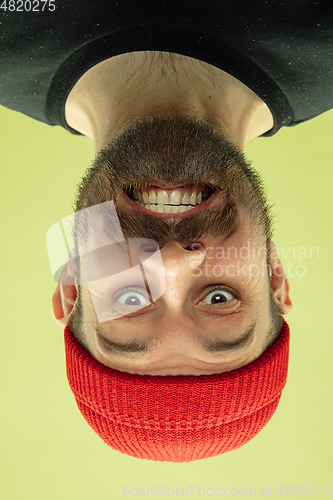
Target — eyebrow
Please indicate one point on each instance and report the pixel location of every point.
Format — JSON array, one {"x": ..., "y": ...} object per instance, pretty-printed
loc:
[
  {"x": 218, "y": 345},
  {"x": 213, "y": 346},
  {"x": 135, "y": 345}
]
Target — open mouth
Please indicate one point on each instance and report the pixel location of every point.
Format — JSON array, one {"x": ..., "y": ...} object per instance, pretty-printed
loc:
[{"x": 170, "y": 200}]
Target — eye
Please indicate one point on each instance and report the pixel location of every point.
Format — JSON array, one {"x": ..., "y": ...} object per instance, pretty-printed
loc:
[
  {"x": 131, "y": 297},
  {"x": 219, "y": 296}
]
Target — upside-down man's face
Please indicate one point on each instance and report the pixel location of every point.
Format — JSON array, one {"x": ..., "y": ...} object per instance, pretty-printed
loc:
[{"x": 178, "y": 182}]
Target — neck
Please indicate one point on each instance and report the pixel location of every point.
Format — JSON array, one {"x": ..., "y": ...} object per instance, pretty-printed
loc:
[{"x": 116, "y": 92}]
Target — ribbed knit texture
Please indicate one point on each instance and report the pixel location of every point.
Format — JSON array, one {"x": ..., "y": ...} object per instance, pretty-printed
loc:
[{"x": 177, "y": 418}]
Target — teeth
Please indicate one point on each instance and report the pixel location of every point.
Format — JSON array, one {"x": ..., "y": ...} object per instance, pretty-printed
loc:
[
  {"x": 173, "y": 204},
  {"x": 185, "y": 199},
  {"x": 165, "y": 209},
  {"x": 162, "y": 197},
  {"x": 193, "y": 198},
  {"x": 152, "y": 196},
  {"x": 175, "y": 198},
  {"x": 145, "y": 197}
]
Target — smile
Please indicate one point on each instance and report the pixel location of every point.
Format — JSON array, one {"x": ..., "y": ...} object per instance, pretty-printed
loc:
[{"x": 170, "y": 199}]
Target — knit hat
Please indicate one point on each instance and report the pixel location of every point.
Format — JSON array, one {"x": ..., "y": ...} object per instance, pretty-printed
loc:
[{"x": 177, "y": 418}]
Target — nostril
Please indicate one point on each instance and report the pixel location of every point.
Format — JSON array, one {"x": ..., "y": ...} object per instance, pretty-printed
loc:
[
  {"x": 151, "y": 248},
  {"x": 193, "y": 247},
  {"x": 190, "y": 247}
]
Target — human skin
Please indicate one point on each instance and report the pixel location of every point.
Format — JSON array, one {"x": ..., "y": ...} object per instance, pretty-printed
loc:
[
  {"x": 180, "y": 322},
  {"x": 109, "y": 98},
  {"x": 116, "y": 92}
]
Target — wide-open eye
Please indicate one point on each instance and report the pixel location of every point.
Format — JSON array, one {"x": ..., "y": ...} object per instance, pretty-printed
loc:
[
  {"x": 218, "y": 296},
  {"x": 131, "y": 297}
]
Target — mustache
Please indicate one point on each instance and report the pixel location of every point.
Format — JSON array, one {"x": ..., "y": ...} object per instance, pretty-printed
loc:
[{"x": 219, "y": 222}]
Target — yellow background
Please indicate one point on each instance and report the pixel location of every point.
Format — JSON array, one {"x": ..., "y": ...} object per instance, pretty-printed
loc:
[{"x": 48, "y": 452}]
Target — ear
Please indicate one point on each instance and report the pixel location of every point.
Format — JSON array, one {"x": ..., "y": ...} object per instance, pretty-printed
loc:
[
  {"x": 279, "y": 282},
  {"x": 64, "y": 298}
]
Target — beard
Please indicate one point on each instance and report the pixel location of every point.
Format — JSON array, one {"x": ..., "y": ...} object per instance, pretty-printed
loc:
[{"x": 182, "y": 150}]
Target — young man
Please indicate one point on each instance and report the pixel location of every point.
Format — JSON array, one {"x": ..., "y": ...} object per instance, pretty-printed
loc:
[{"x": 170, "y": 96}]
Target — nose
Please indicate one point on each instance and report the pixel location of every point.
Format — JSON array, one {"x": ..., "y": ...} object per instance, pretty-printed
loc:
[
  {"x": 179, "y": 263},
  {"x": 171, "y": 275},
  {"x": 180, "y": 257}
]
